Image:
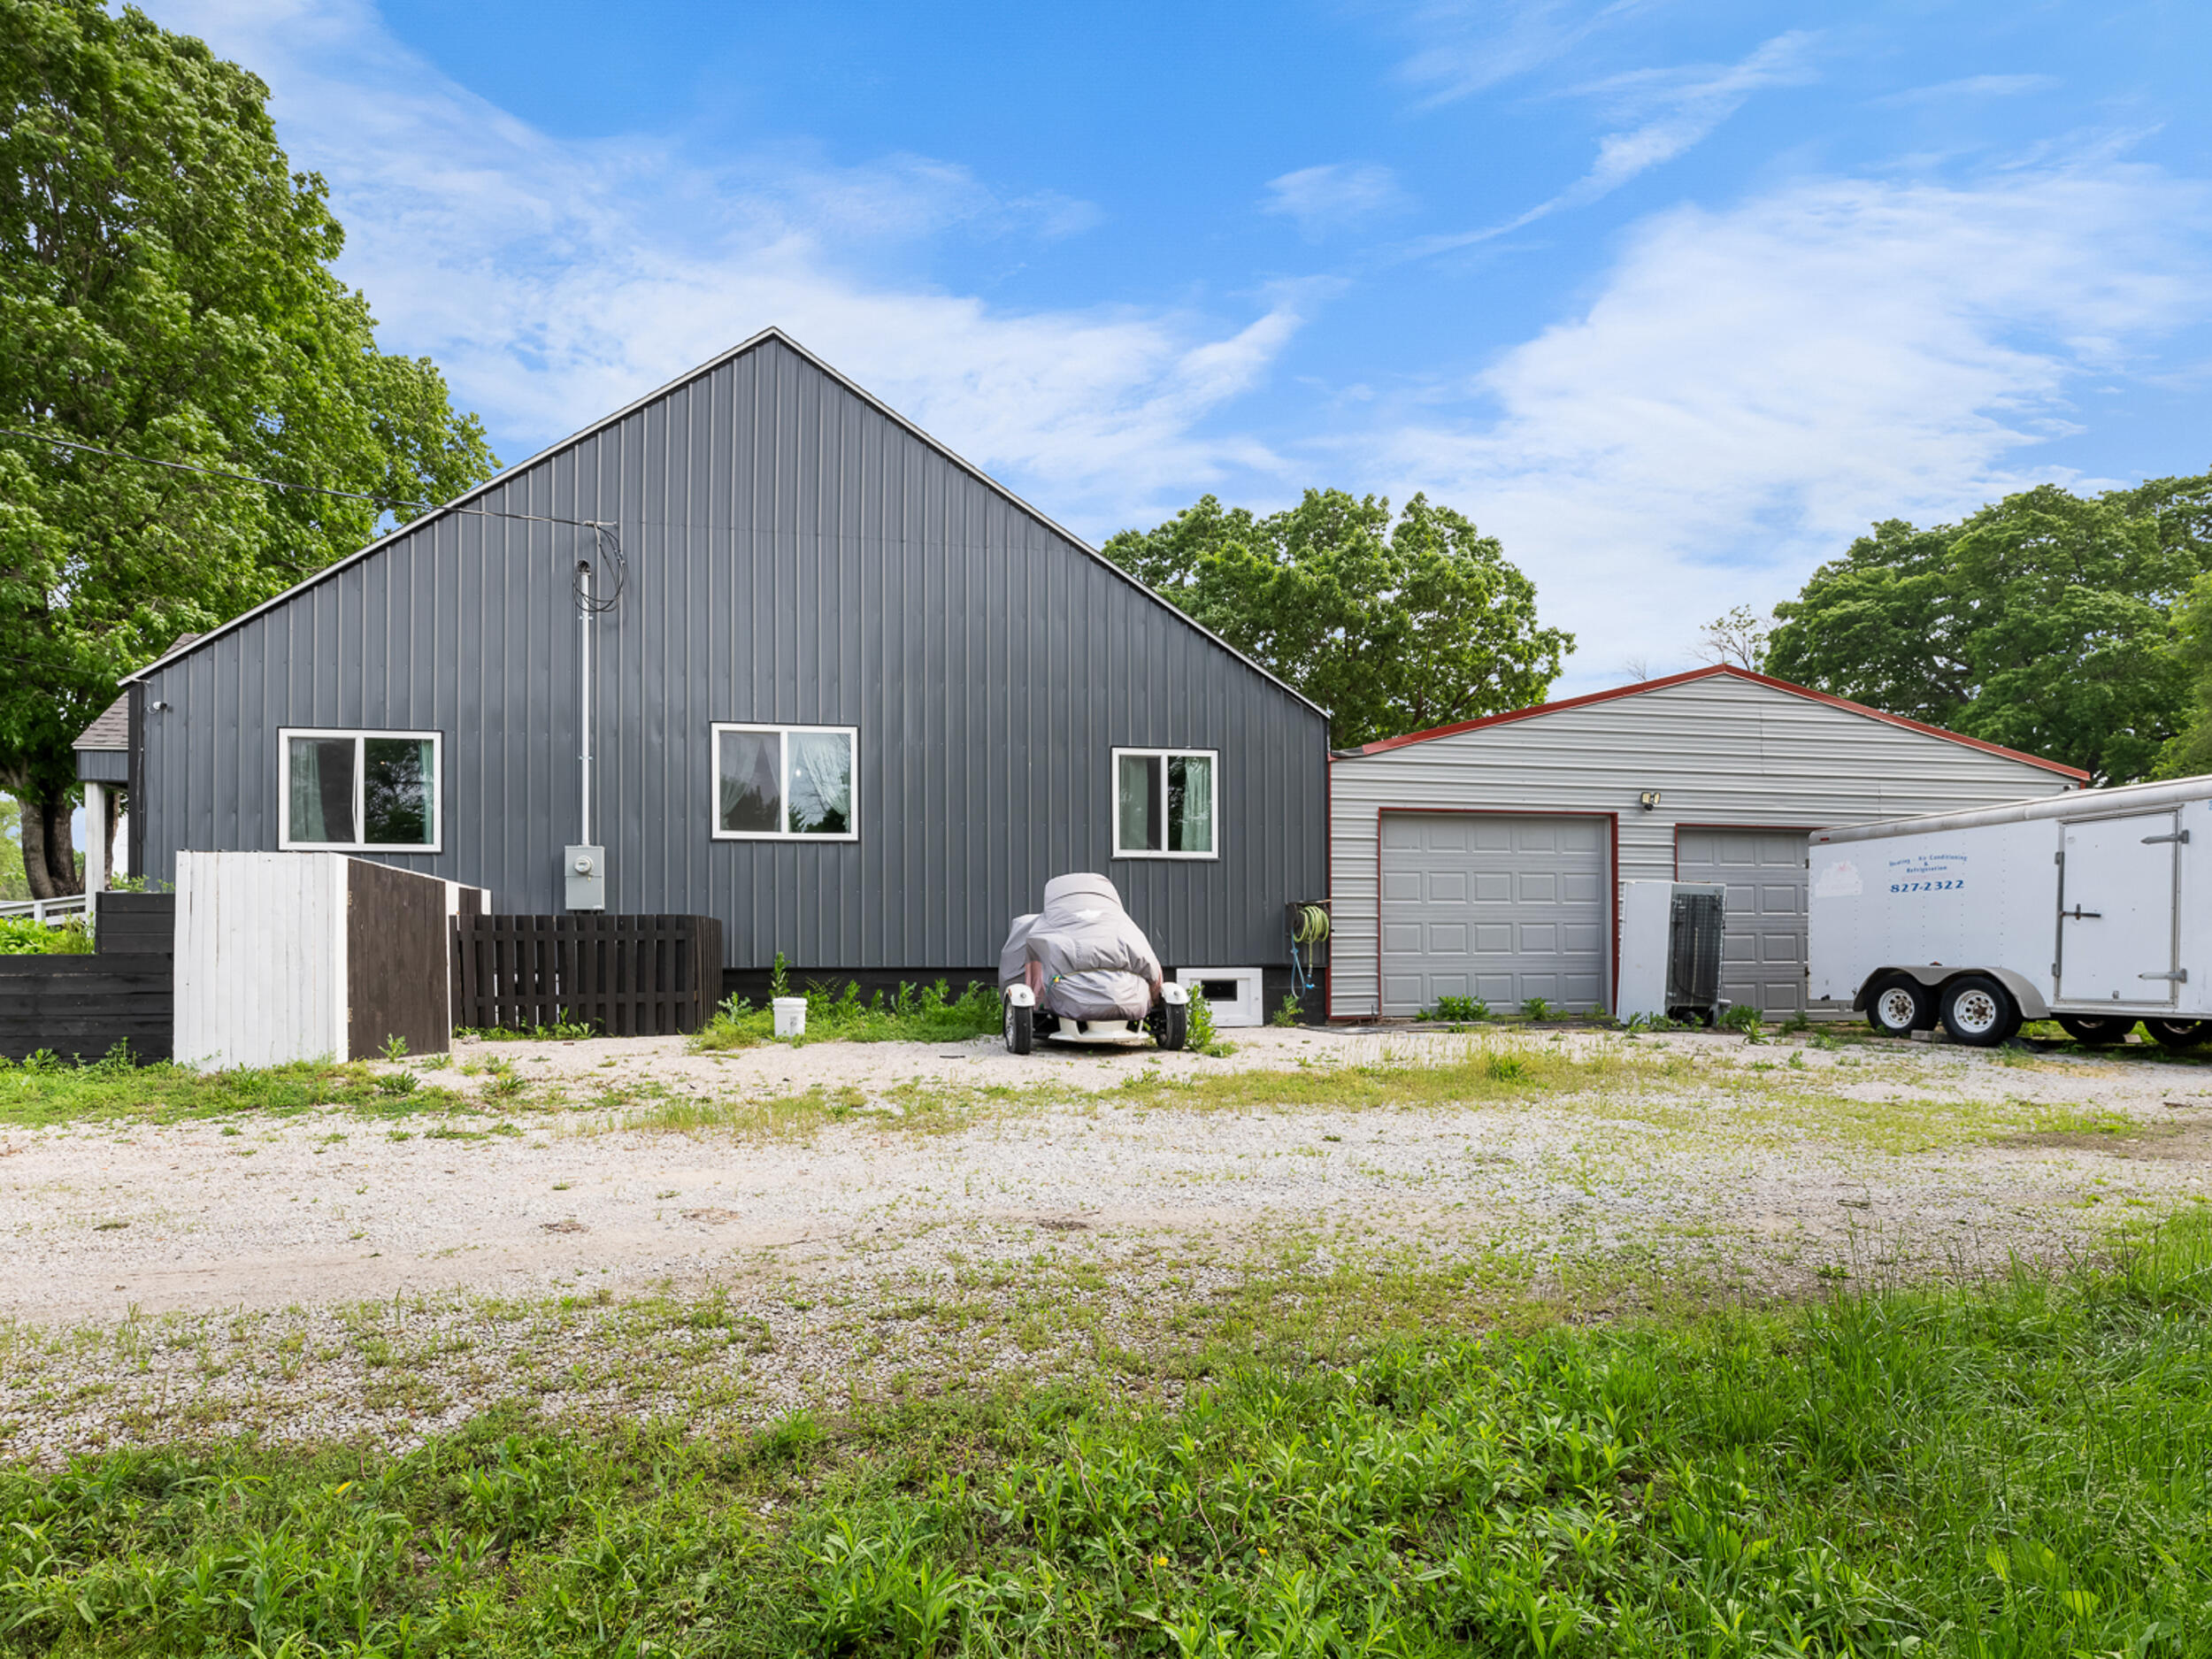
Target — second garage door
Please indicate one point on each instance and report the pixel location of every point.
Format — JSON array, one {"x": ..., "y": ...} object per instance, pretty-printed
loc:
[
  {"x": 1500, "y": 907},
  {"x": 1763, "y": 951}
]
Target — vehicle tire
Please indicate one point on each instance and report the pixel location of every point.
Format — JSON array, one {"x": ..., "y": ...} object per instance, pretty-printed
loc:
[
  {"x": 1174, "y": 1026},
  {"x": 2093, "y": 1030},
  {"x": 2177, "y": 1033},
  {"x": 1898, "y": 1006},
  {"x": 1978, "y": 1011},
  {"x": 1021, "y": 1029}
]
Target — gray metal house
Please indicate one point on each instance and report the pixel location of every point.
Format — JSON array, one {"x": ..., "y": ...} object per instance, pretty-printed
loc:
[
  {"x": 791, "y": 661},
  {"x": 1483, "y": 859}
]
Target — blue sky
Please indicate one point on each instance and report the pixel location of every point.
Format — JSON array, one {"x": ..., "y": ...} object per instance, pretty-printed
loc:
[{"x": 1674, "y": 299}]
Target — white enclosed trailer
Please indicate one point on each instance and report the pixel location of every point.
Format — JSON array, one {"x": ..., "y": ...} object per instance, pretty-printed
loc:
[{"x": 2093, "y": 908}]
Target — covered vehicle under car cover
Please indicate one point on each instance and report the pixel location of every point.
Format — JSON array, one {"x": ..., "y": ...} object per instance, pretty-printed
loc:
[{"x": 1093, "y": 962}]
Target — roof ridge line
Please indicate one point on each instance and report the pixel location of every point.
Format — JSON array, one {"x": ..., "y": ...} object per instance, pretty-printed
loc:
[
  {"x": 772, "y": 332},
  {"x": 1711, "y": 670}
]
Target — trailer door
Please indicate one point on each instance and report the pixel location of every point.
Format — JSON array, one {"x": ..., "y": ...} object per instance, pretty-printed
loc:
[{"x": 2115, "y": 911}]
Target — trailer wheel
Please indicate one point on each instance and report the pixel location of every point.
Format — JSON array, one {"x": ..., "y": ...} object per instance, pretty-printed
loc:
[
  {"x": 2093, "y": 1030},
  {"x": 2177, "y": 1033},
  {"x": 1900, "y": 1006},
  {"x": 1021, "y": 1029},
  {"x": 1978, "y": 1011}
]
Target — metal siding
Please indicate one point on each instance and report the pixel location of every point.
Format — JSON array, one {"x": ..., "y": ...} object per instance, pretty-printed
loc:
[
  {"x": 1720, "y": 751},
  {"x": 795, "y": 556}
]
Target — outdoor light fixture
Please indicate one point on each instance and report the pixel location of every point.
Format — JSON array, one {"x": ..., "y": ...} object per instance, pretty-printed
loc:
[{"x": 1648, "y": 800}]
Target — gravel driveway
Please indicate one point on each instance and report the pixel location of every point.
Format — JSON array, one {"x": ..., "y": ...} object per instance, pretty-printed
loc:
[{"x": 235, "y": 1262}]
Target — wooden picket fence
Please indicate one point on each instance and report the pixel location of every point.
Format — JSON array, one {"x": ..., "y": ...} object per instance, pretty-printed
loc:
[{"x": 628, "y": 976}]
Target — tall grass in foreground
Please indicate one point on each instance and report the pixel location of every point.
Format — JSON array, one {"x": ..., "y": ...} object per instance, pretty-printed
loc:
[{"x": 2018, "y": 1469}]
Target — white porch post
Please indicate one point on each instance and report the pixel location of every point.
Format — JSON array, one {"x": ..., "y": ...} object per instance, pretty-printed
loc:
[{"x": 95, "y": 837}]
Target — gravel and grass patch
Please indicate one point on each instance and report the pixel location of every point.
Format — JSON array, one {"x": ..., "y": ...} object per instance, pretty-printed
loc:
[{"x": 2017, "y": 1467}]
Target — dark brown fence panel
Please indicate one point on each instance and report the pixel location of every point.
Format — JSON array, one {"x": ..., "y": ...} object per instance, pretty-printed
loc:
[
  {"x": 395, "y": 943},
  {"x": 81, "y": 1007},
  {"x": 630, "y": 975}
]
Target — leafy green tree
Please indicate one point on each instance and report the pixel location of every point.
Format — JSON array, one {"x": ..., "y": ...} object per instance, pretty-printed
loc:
[
  {"x": 165, "y": 289},
  {"x": 2043, "y": 622},
  {"x": 13, "y": 884},
  {"x": 1392, "y": 626},
  {"x": 2189, "y": 754}
]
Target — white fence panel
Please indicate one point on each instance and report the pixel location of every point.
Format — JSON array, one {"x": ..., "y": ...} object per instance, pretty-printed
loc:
[{"x": 261, "y": 958}]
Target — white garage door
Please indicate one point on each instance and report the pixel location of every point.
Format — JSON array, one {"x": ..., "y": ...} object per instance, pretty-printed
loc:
[
  {"x": 1502, "y": 909},
  {"x": 1763, "y": 957}
]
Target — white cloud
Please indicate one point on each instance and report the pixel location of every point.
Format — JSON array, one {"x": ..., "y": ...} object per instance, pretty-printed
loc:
[
  {"x": 1752, "y": 387},
  {"x": 1975, "y": 87},
  {"x": 1469, "y": 46},
  {"x": 1674, "y": 109},
  {"x": 1671, "y": 111},
  {"x": 1338, "y": 196},
  {"x": 555, "y": 280}
]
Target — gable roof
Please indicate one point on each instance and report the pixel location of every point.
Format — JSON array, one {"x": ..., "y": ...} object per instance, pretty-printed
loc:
[
  {"x": 112, "y": 730},
  {"x": 185, "y": 647},
  {"x": 1728, "y": 671}
]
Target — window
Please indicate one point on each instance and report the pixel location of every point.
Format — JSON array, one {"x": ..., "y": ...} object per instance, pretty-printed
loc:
[
  {"x": 358, "y": 791},
  {"x": 786, "y": 782},
  {"x": 1163, "y": 803}
]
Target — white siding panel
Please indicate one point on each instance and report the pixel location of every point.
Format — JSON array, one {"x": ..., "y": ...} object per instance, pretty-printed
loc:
[{"x": 1720, "y": 751}]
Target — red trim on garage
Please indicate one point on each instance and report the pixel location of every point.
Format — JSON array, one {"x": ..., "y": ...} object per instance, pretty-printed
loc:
[
  {"x": 1382, "y": 744},
  {"x": 1612, "y": 891}
]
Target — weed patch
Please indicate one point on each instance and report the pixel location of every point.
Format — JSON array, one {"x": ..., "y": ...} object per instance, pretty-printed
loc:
[
  {"x": 923, "y": 1013},
  {"x": 38, "y": 1093}
]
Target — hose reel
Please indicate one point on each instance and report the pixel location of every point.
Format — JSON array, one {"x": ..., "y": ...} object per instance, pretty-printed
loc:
[{"x": 1309, "y": 928}]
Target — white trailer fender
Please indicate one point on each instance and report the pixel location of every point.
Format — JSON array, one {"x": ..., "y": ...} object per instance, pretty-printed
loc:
[
  {"x": 1020, "y": 996},
  {"x": 1935, "y": 976}
]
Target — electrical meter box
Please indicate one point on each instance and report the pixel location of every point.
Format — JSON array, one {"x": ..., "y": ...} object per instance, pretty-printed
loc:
[{"x": 586, "y": 869}]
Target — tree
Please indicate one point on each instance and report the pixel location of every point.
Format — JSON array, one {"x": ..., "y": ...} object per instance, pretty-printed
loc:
[
  {"x": 1391, "y": 626},
  {"x": 1739, "y": 637},
  {"x": 2189, "y": 754},
  {"x": 165, "y": 290},
  {"x": 2043, "y": 622},
  {"x": 13, "y": 882}
]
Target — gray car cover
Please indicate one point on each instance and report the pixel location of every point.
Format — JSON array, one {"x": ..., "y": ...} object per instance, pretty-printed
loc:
[{"x": 1091, "y": 961}]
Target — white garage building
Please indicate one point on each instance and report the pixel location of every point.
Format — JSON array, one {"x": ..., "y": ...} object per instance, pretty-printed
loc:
[{"x": 1483, "y": 859}]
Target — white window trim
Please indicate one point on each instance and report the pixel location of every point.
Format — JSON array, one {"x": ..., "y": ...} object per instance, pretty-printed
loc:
[
  {"x": 783, "y": 775},
  {"x": 285, "y": 843},
  {"x": 1213, "y": 801}
]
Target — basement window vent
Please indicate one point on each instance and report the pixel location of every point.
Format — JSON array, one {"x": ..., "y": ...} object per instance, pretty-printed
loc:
[{"x": 358, "y": 791}]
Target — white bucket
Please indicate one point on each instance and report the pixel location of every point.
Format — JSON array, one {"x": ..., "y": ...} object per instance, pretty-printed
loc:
[{"x": 790, "y": 1015}]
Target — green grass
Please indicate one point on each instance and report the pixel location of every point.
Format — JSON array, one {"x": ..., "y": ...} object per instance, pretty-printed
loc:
[
  {"x": 43, "y": 1091},
  {"x": 2018, "y": 1468},
  {"x": 927, "y": 1013},
  {"x": 560, "y": 1030},
  {"x": 20, "y": 936}
]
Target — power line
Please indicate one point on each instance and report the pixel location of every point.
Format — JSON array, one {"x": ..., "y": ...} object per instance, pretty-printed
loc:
[{"x": 607, "y": 542}]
